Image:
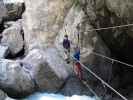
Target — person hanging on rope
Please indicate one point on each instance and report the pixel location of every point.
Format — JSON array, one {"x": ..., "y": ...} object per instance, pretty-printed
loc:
[
  {"x": 77, "y": 66},
  {"x": 66, "y": 46}
]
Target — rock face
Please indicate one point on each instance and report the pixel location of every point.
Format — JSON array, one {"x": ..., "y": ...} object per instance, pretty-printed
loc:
[
  {"x": 2, "y": 95},
  {"x": 49, "y": 74},
  {"x": 3, "y": 11},
  {"x": 45, "y": 24},
  {"x": 42, "y": 21},
  {"x": 11, "y": 11},
  {"x": 4, "y": 50},
  {"x": 35, "y": 72},
  {"x": 12, "y": 37},
  {"x": 14, "y": 10},
  {"x": 114, "y": 13},
  {"x": 73, "y": 86},
  {"x": 121, "y": 8},
  {"x": 76, "y": 22},
  {"x": 15, "y": 79}
]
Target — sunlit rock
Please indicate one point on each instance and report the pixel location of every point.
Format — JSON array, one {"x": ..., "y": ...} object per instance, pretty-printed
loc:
[
  {"x": 43, "y": 20},
  {"x": 3, "y": 11},
  {"x": 12, "y": 37},
  {"x": 4, "y": 51},
  {"x": 38, "y": 71}
]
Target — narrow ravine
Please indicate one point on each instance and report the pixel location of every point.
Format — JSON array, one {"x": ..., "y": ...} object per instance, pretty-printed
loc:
[{"x": 31, "y": 51}]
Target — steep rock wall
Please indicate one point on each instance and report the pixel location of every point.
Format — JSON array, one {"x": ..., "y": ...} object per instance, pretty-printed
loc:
[
  {"x": 45, "y": 23},
  {"x": 76, "y": 22},
  {"x": 3, "y": 10},
  {"x": 42, "y": 21},
  {"x": 114, "y": 13}
]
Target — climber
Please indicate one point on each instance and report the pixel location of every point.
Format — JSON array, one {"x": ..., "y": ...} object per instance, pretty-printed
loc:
[
  {"x": 66, "y": 46},
  {"x": 77, "y": 66}
]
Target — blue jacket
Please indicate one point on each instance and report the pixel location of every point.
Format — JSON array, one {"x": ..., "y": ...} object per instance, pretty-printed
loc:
[{"x": 77, "y": 55}]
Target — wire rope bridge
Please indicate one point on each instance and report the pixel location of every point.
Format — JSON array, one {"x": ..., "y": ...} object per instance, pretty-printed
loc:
[{"x": 108, "y": 58}]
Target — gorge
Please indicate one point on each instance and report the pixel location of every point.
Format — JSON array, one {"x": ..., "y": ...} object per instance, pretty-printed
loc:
[{"x": 31, "y": 36}]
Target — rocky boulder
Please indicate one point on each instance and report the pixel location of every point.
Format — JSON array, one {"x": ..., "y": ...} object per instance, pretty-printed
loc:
[
  {"x": 3, "y": 11},
  {"x": 11, "y": 10},
  {"x": 14, "y": 10},
  {"x": 14, "y": 78},
  {"x": 74, "y": 86},
  {"x": 37, "y": 71},
  {"x": 49, "y": 69},
  {"x": 4, "y": 51},
  {"x": 9, "y": 24},
  {"x": 2, "y": 95},
  {"x": 12, "y": 37}
]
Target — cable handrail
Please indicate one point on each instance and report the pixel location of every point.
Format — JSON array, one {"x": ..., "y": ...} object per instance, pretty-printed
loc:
[
  {"x": 91, "y": 90},
  {"x": 101, "y": 80},
  {"x": 111, "y": 59},
  {"x": 112, "y": 27}
]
